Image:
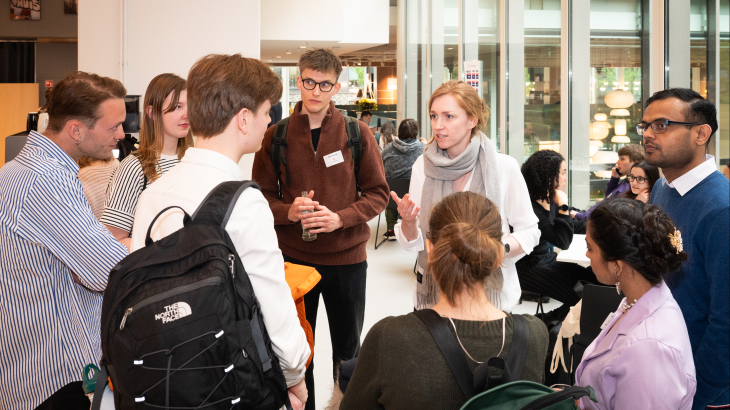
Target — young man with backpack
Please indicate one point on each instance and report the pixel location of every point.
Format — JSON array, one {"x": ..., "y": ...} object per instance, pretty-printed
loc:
[
  {"x": 229, "y": 98},
  {"x": 336, "y": 161}
]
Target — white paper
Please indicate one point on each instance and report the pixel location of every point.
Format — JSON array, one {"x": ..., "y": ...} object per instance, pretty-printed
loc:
[
  {"x": 576, "y": 253},
  {"x": 333, "y": 158}
]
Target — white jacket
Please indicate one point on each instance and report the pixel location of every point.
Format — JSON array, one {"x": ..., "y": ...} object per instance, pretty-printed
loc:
[{"x": 515, "y": 210}]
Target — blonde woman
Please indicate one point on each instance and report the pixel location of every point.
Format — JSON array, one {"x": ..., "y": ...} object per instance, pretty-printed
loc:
[
  {"x": 163, "y": 140},
  {"x": 460, "y": 157}
]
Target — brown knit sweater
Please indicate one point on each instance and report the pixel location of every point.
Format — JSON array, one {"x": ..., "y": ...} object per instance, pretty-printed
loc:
[
  {"x": 401, "y": 367},
  {"x": 334, "y": 187}
]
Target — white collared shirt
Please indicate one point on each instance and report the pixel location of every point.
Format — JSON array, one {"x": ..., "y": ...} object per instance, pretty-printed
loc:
[
  {"x": 251, "y": 228},
  {"x": 696, "y": 175}
]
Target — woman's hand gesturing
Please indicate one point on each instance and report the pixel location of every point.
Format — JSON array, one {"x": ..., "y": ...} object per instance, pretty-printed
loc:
[{"x": 409, "y": 213}]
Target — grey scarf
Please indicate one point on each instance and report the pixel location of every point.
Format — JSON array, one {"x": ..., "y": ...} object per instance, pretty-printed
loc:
[{"x": 440, "y": 173}]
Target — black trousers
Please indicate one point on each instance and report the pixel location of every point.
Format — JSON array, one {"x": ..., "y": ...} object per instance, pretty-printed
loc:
[
  {"x": 544, "y": 275},
  {"x": 69, "y": 397},
  {"x": 343, "y": 290}
]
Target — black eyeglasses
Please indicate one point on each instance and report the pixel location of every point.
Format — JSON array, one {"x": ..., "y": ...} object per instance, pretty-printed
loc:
[
  {"x": 640, "y": 180},
  {"x": 324, "y": 86},
  {"x": 659, "y": 126}
]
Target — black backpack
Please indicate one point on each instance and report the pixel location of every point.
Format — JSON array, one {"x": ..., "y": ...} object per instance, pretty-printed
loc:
[
  {"x": 181, "y": 327},
  {"x": 354, "y": 141}
]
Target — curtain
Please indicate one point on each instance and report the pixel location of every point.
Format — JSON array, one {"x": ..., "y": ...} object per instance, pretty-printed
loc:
[{"x": 17, "y": 62}]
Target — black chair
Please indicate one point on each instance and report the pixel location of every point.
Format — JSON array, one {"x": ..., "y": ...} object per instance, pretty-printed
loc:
[{"x": 400, "y": 186}]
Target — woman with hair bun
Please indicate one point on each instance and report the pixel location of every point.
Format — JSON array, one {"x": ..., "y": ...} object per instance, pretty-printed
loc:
[
  {"x": 460, "y": 157},
  {"x": 399, "y": 365},
  {"x": 642, "y": 359}
]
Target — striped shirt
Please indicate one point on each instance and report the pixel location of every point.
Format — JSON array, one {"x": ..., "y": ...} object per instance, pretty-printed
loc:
[
  {"x": 125, "y": 188},
  {"x": 95, "y": 179},
  {"x": 49, "y": 325}
]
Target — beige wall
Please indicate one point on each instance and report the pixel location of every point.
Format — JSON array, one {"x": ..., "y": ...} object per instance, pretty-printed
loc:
[{"x": 16, "y": 101}]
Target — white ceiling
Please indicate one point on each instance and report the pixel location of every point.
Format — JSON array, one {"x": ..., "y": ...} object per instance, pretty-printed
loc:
[{"x": 272, "y": 49}]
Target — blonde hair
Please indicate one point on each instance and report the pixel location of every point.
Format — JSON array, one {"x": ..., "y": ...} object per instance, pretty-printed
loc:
[
  {"x": 468, "y": 99},
  {"x": 151, "y": 137}
]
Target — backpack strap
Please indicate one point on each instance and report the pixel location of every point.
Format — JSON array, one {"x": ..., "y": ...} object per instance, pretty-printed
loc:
[
  {"x": 449, "y": 347},
  {"x": 511, "y": 368},
  {"x": 218, "y": 205},
  {"x": 101, "y": 383},
  {"x": 573, "y": 392},
  {"x": 277, "y": 151},
  {"x": 354, "y": 140}
]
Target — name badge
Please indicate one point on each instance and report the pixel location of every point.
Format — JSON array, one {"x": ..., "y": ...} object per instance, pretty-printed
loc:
[
  {"x": 608, "y": 320},
  {"x": 333, "y": 159}
]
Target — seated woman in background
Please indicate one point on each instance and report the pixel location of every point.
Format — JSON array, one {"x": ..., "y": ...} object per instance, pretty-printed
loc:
[
  {"x": 94, "y": 175},
  {"x": 642, "y": 178},
  {"x": 387, "y": 134},
  {"x": 398, "y": 159},
  {"x": 540, "y": 272},
  {"x": 642, "y": 359},
  {"x": 399, "y": 365},
  {"x": 163, "y": 140}
]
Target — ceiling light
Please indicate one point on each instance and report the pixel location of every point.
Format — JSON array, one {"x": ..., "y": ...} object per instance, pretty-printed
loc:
[
  {"x": 602, "y": 88},
  {"x": 359, "y": 64},
  {"x": 604, "y": 157},
  {"x": 637, "y": 82},
  {"x": 605, "y": 83},
  {"x": 450, "y": 48},
  {"x": 621, "y": 139},
  {"x": 302, "y": 46},
  {"x": 619, "y": 127},
  {"x": 288, "y": 52},
  {"x": 278, "y": 56},
  {"x": 600, "y": 116},
  {"x": 620, "y": 112}
]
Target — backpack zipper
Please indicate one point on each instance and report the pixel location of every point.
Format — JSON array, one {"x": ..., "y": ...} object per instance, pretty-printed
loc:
[
  {"x": 232, "y": 260},
  {"x": 212, "y": 281}
]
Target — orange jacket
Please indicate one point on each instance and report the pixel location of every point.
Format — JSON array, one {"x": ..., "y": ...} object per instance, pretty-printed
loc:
[{"x": 301, "y": 279}]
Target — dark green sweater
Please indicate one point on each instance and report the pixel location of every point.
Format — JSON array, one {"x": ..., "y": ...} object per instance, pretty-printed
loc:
[{"x": 400, "y": 366}]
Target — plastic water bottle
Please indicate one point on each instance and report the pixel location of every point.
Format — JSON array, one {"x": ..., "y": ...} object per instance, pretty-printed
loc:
[{"x": 306, "y": 236}]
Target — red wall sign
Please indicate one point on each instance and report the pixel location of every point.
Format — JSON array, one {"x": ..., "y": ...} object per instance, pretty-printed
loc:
[{"x": 49, "y": 83}]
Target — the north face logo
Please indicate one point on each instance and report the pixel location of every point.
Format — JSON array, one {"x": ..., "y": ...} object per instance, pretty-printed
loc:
[{"x": 174, "y": 312}]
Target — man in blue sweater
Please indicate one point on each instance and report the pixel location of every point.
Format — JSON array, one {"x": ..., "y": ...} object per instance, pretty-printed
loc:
[{"x": 677, "y": 126}]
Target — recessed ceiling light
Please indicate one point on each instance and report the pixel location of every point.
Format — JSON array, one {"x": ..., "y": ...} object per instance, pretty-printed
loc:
[
  {"x": 450, "y": 48},
  {"x": 288, "y": 52},
  {"x": 302, "y": 46},
  {"x": 278, "y": 56}
]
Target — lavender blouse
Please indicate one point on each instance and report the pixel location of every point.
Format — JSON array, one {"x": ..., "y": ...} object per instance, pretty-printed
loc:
[{"x": 645, "y": 362}]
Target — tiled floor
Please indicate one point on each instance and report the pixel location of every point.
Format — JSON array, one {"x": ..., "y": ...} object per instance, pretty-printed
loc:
[{"x": 389, "y": 293}]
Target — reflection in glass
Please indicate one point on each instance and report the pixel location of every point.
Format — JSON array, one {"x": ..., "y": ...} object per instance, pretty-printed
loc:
[
  {"x": 698, "y": 46},
  {"x": 416, "y": 74},
  {"x": 616, "y": 84},
  {"x": 481, "y": 49},
  {"x": 724, "y": 77},
  {"x": 542, "y": 76}
]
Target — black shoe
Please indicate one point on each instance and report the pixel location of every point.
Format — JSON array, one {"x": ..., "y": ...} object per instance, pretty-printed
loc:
[{"x": 389, "y": 235}]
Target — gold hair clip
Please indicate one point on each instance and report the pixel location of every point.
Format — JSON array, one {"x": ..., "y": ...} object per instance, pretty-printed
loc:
[{"x": 676, "y": 240}]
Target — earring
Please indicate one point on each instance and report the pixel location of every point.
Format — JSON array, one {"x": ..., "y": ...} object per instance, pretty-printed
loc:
[
  {"x": 78, "y": 141},
  {"x": 618, "y": 284}
]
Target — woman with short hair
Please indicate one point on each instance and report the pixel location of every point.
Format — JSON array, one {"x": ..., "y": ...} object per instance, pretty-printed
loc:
[
  {"x": 460, "y": 157},
  {"x": 642, "y": 359},
  {"x": 398, "y": 159}
]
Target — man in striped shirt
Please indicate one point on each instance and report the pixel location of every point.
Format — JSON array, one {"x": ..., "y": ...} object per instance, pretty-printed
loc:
[{"x": 55, "y": 257}]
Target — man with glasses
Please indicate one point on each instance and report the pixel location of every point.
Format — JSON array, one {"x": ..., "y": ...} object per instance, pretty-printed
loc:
[
  {"x": 339, "y": 202},
  {"x": 677, "y": 127}
]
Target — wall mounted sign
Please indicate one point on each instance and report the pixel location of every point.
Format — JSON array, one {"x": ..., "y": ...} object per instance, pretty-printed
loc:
[{"x": 25, "y": 9}]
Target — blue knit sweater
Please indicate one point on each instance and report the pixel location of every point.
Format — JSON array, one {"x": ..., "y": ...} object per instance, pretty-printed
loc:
[{"x": 702, "y": 286}]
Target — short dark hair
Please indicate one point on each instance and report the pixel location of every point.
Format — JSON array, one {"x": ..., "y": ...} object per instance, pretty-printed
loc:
[
  {"x": 698, "y": 109},
  {"x": 408, "y": 129},
  {"x": 322, "y": 60},
  {"x": 637, "y": 234},
  {"x": 78, "y": 97},
  {"x": 221, "y": 85},
  {"x": 541, "y": 171},
  {"x": 366, "y": 112}
]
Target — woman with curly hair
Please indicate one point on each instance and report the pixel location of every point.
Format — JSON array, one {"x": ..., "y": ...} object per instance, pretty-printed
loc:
[
  {"x": 540, "y": 272},
  {"x": 643, "y": 358}
]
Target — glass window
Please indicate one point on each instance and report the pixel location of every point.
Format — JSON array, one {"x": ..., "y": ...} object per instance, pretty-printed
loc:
[
  {"x": 481, "y": 56},
  {"x": 698, "y": 46},
  {"x": 616, "y": 84},
  {"x": 542, "y": 76},
  {"x": 724, "y": 77},
  {"x": 416, "y": 71}
]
